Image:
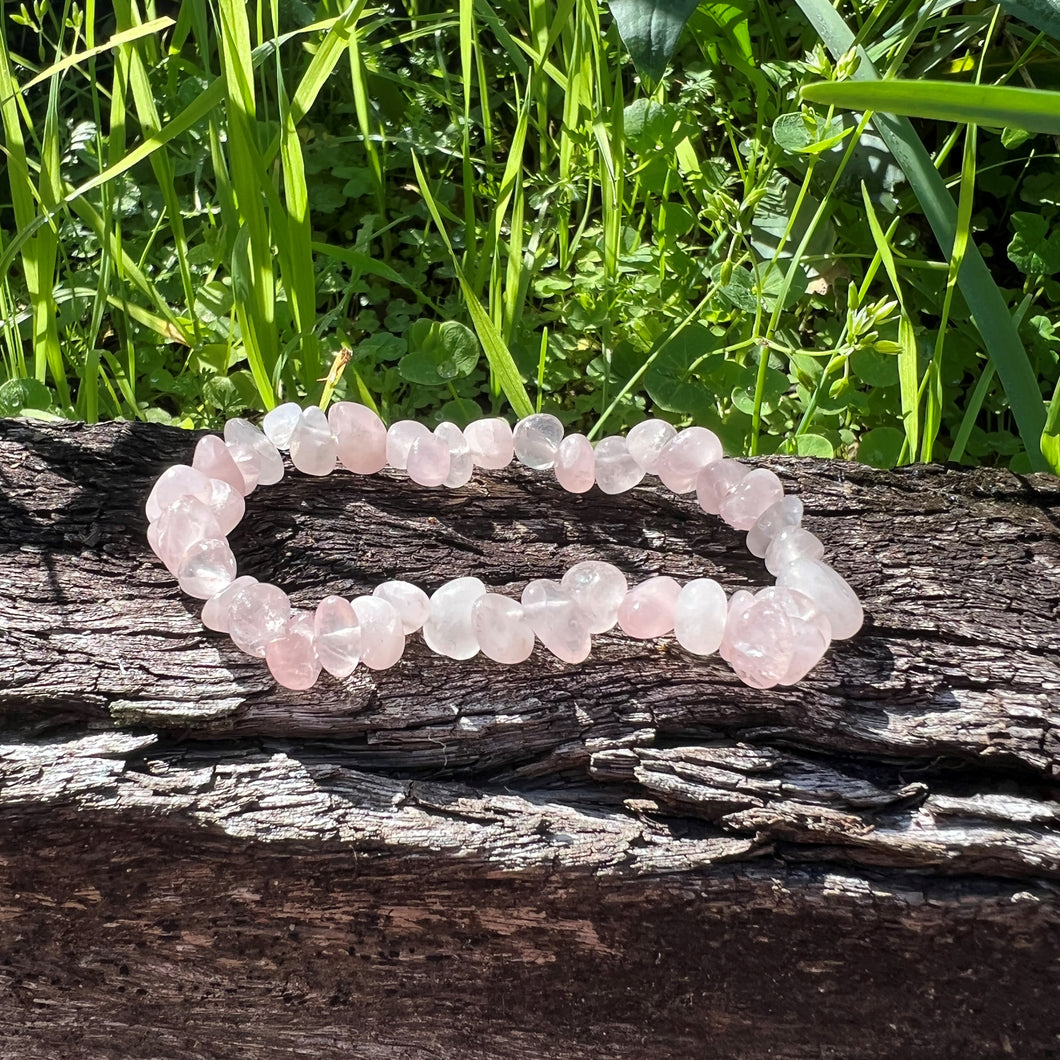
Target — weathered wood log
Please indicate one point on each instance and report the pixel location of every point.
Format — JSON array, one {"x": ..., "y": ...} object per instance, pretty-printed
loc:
[{"x": 634, "y": 857}]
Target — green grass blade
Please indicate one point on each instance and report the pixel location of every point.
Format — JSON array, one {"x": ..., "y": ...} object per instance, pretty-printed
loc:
[
  {"x": 1002, "y": 105},
  {"x": 989, "y": 310}
]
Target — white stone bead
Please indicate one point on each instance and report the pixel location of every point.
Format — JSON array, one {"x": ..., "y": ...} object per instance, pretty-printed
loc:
[
  {"x": 790, "y": 544},
  {"x": 429, "y": 462},
  {"x": 207, "y": 568},
  {"x": 256, "y": 615},
  {"x": 337, "y": 636},
  {"x": 646, "y": 442},
  {"x": 716, "y": 482},
  {"x": 699, "y": 616},
  {"x": 785, "y": 513},
  {"x": 314, "y": 450},
  {"x": 575, "y": 466},
  {"x": 461, "y": 466},
  {"x": 215, "y": 610},
  {"x": 750, "y": 497},
  {"x": 448, "y": 630},
  {"x": 382, "y": 639},
  {"x": 758, "y": 642},
  {"x": 360, "y": 436},
  {"x": 598, "y": 589},
  {"x": 241, "y": 435},
  {"x": 811, "y": 631},
  {"x": 556, "y": 619},
  {"x": 410, "y": 601},
  {"x": 399, "y": 439},
  {"x": 491, "y": 443},
  {"x": 536, "y": 439},
  {"x": 279, "y": 423},
  {"x": 829, "y": 591},
  {"x": 503, "y": 633},
  {"x": 616, "y": 470}
]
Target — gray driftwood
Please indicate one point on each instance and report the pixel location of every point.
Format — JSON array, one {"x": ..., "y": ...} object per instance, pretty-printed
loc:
[{"x": 635, "y": 857}]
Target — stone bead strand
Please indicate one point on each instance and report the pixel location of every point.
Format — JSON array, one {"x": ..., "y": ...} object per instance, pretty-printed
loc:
[{"x": 771, "y": 637}]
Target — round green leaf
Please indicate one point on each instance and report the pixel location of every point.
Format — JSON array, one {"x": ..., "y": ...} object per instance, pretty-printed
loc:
[
  {"x": 672, "y": 382},
  {"x": 813, "y": 445},
  {"x": 876, "y": 369},
  {"x": 19, "y": 394},
  {"x": 881, "y": 446},
  {"x": 439, "y": 353}
]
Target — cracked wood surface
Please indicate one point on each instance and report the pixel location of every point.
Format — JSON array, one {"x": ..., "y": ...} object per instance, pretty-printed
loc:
[{"x": 893, "y": 817}]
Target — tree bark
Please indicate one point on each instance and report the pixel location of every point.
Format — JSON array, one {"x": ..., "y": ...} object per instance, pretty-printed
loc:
[{"x": 634, "y": 857}]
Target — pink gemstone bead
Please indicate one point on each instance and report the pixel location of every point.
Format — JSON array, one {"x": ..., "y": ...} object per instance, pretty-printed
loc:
[
  {"x": 648, "y": 609},
  {"x": 410, "y": 601},
  {"x": 292, "y": 657},
  {"x": 616, "y": 470},
  {"x": 337, "y": 636},
  {"x": 214, "y": 460},
  {"x": 491, "y": 443},
  {"x": 182, "y": 525},
  {"x": 461, "y": 466},
  {"x": 829, "y": 591},
  {"x": 759, "y": 642},
  {"x": 789, "y": 545},
  {"x": 246, "y": 461},
  {"x": 685, "y": 456},
  {"x": 750, "y": 497},
  {"x": 716, "y": 482},
  {"x": 382, "y": 640},
  {"x": 557, "y": 620},
  {"x": 501, "y": 629},
  {"x": 241, "y": 435},
  {"x": 279, "y": 424},
  {"x": 575, "y": 464},
  {"x": 314, "y": 450},
  {"x": 536, "y": 439},
  {"x": 448, "y": 630},
  {"x": 399, "y": 439},
  {"x": 787, "y": 512},
  {"x": 256, "y": 615},
  {"x": 429, "y": 462},
  {"x": 699, "y": 616},
  {"x": 647, "y": 440},
  {"x": 360, "y": 436},
  {"x": 598, "y": 589},
  {"x": 811, "y": 632},
  {"x": 207, "y": 567},
  {"x": 215, "y": 610},
  {"x": 175, "y": 482}
]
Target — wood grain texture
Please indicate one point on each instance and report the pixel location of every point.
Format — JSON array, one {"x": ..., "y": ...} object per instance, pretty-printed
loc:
[{"x": 626, "y": 858}]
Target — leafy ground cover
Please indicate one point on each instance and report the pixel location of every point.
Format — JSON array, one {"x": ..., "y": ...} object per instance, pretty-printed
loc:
[{"x": 445, "y": 208}]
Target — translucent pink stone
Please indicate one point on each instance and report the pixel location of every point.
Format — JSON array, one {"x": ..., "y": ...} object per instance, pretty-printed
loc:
[
  {"x": 214, "y": 460},
  {"x": 247, "y": 463},
  {"x": 279, "y": 424},
  {"x": 175, "y": 482},
  {"x": 242, "y": 436},
  {"x": 207, "y": 567},
  {"x": 314, "y": 450},
  {"x": 360, "y": 436},
  {"x": 256, "y": 615},
  {"x": 685, "y": 456},
  {"x": 399, "y": 439},
  {"x": 716, "y": 482},
  {"x": 647, "y": 440},
  {"x": 182, "y": 525},
  {"x": 429, "y": 462},
  {"x": 598, "y": 589},
  {"x": 616, "y": 470},
  {"x": 215, "y": 610},
  {"x": 787, "y": 512},
  {"x": 382, "y": 639},
  {"x": 699, "y": 616},
  {"x": 750, "y": 497},
  {"x": 575, "y": 464},
  {"x": 648, "y": 609},
  {"x": 791, "y": 544},
  {"x": 829, "y": 591},
  {"x": 448, "y": 630},
  {"x": 337, "y": 636},
  {"x": 501, "y": 629},
  {"x": 292, "y": 657},
  {"x": 461, "y": 466},
  {"x": 536, "y": 439},
  {"x": 410, "y": 601},
  {"x": 758, "y": 642},
  {"x": 491, "y": 443},
  {"x": 811, "y": 631},
  {"x": 557, "y": 620}
]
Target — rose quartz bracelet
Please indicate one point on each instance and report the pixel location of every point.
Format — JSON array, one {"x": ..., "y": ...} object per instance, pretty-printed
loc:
[{"x": 772, "y": 637}]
